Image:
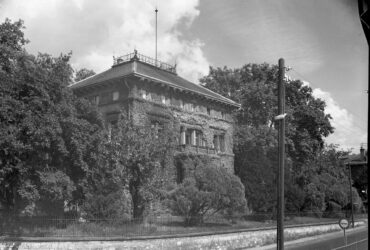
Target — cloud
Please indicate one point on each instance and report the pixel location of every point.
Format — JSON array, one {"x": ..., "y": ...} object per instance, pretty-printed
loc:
[
  {"x": 95, "y": 31},
  {"x": 347, "y": 134}
]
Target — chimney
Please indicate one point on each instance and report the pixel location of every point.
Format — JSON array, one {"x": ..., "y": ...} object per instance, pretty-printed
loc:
[{"x": 362, "y": 153}]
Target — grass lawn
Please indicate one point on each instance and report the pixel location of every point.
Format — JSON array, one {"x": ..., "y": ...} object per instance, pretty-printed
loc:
[{"x": 159, "y": 226}]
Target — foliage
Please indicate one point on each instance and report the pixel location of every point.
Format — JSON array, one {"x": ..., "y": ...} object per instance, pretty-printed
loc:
[
  {"x": 47, "y": 136},
  {"x": 255, "y": 87},
  {"x": 314, "y": 177},
  {"x": 208, "y": 190},
  {"x": 255, "y": 157},
  {"x": 83, "y": 73},
  {"x": 110, "y": 206},
  {"x": 11, "y": 43},
  {"x": 136, "y": 160}
]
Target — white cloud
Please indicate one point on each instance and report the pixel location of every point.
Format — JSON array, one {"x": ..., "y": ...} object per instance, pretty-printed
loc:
[
  {"x": 347, "y": 134},
  {"x": 94, "y": 30}
]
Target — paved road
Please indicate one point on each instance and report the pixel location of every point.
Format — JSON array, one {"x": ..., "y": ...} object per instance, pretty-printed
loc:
[
  {"x": 333, "y": 241},
  {"x": 326, "y": 241}
]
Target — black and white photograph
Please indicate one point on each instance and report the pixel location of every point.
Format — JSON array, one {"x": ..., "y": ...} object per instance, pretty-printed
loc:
[{"x": 184, "y": 124}]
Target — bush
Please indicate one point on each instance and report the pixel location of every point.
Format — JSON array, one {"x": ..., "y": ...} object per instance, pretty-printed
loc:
[
  {"x": 207, "y": 191},
  {"x": 113, "y": 207}
]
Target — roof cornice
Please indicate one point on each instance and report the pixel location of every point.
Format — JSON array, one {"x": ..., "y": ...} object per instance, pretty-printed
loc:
[{"x": 186, "y": 89}]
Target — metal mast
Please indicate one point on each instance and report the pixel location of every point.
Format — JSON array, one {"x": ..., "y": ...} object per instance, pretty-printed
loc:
[{"x": 156, "y": 13}]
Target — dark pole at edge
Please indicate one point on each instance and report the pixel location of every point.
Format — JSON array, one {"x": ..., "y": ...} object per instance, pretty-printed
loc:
[
  {"x": 281, "y": 110},
  {"x": 350, "y": 193}
]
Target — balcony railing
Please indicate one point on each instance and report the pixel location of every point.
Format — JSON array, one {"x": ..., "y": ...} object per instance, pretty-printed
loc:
[
  {"x": 145, "y": 59},
  {"x": 197, "y": 149}
]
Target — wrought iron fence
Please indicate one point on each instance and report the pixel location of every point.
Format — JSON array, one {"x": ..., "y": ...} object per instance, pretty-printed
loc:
[
  {"x": 42, "y": 226},
  {"x": 145, "y": 59}
]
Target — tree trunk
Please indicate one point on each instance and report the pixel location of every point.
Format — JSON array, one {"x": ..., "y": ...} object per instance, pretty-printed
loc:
[{"x": 137, "y": 201}]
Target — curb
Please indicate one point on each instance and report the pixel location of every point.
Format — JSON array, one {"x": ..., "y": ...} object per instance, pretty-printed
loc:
[{"x": 310, "y": 238}]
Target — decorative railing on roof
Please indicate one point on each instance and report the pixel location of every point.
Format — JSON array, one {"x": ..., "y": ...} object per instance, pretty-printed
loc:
[{"x": 145, "y": 59}]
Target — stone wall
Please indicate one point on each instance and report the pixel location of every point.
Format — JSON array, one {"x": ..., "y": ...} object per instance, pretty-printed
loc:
[{"x": 238, "y": 240}]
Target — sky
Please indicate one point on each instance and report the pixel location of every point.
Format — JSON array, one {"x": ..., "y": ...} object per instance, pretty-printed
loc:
[{"x": 321, "y": 40}]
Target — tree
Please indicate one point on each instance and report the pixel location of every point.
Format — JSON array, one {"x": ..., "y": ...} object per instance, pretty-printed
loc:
[
  {"x": 207, "y": 190},
  {"x": 48, "y": 137},
  {"x": 255, "y": 157},
  {"x": 255, "y": 87},
  {"x": 255, "y": 137},
  {"x": 83, "y": 73},
  {"x": 325, "y": 179},
  {"x": 139, "y": 157},
  {"x": 11, "y": 42}
]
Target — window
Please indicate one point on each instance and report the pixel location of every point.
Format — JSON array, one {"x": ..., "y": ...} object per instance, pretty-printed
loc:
[
  {"x": 200, "y": 139},
  {"x": 157, "y": 126},
  {"x": 95, "y": 100},
  {"x": 155, "y": 97},
  {"x": 219, "y": 142},
  {"x": 180, "y": 172},
  {"x": 145, "y": 94},
  {"x": 188, "y": 137},
  {"x": 189, "y": 107},
  {"x": 222, "y": 143},
  {"x": 208, "y": 111},
  {"x": 215, "y": 142},
  {"x": 204, "y": 142},
  {"x": 181, "y": 104},
  {"x": 223, "y": 115},
  {"x": 112, "y": 126},
  {"x": 115, "y": 95},
  {"x": 165, "y": 100},
  {"x": 197, "y": 136}
]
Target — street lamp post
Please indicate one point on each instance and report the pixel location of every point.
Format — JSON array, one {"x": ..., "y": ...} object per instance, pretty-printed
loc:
[{"x": 281, "y": 119}]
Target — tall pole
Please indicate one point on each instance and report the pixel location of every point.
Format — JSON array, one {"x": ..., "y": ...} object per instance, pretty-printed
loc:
[
  {"x": 350, "y": 193},
  {"x": 281, "y": 111},
  {"x": 156, "y": 12}
]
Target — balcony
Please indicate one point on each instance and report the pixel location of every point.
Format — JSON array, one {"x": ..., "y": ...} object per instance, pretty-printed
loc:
[
  {"x": 142, "y": 58},
  {"x": 196, "y": 149}
]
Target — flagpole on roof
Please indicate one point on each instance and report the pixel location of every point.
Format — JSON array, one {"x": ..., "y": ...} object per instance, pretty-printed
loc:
[{"x": 156, "y": 12}]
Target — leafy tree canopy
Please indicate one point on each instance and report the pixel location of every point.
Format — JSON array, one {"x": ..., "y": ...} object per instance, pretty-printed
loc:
[
  {"x": 254, "y": 86},
  {"x": 136, "y": 160},
  {"x": 314, "y": 177},
  {"x": 47, "y": 136},
  {"x": 83, "y": 73}
]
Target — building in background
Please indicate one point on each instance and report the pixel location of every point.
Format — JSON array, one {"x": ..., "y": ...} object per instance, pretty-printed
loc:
[{"x": 357, "y": 164}]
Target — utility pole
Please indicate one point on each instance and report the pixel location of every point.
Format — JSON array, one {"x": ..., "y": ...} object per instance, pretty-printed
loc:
[{"x": 280, "y": 182}]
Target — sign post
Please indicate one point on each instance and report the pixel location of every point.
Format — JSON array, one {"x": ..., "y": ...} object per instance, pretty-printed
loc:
[{"x": 344, "y": 224}]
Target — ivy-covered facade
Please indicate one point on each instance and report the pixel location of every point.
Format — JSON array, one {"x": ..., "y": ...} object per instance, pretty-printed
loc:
[{"x": 153, "y": 94}]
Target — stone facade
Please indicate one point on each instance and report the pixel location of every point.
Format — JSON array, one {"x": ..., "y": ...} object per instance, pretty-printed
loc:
[{"x": 204, "y": 122}]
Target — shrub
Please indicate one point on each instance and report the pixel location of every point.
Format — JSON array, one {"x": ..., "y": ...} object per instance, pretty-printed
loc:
[
  {"x": 113, "y": 207},
  {"x": 207, "y": 191}
]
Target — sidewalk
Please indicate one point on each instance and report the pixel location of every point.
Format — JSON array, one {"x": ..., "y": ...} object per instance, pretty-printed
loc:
[{"x": 315, "y": 238}]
